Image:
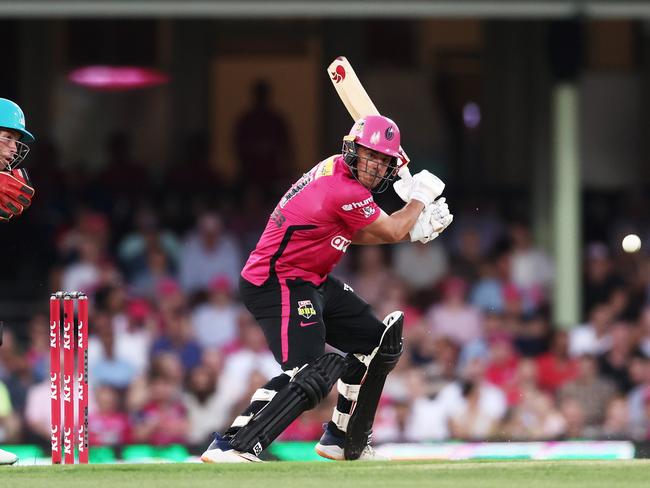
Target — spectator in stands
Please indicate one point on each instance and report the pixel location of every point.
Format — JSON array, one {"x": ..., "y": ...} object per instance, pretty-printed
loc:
[
  {"x": 103, "y": 360},
  {"x": 135, "y": 248},
  {"x": 212, "y": 359},
  {"x": 135, "y": 333},
  {"x": 178, "y": 338},
  {"x": 426, "y": 418},
  {"x": 613, "y": 364},
  {"x": 640, "y": 372},
  {"x": 37, "y": 413},
  {"x": 163, "y": 419},
  {"x": 155, "y": 270},
  {"x": 38, "y": 347},
  {"x": 473, "y": 406},
  {"x": 207, "y": 252},
  {"x": 396, "y": 297},
  {"x": 555, "y": 368},
  {"x": 617, "y": 420},
  {"x": 85, "y": 274},
  {"x": 252, "y": 355},
  {"x": 108, "y": 424},
  {"x": 215, "y": 321},
  {"x": 531, "y": 338},
  {"x": 421, "y": 266},
  {"x": 441, "y": 371},
  {"x": 170, "y": 300},
  {"x": 453, "y": 317},
  {"x": 601, "y": 284},
  {"x": 467, "y": 262},
  {"x": 594, "y": 336},
  {"x": 532, "y": 268},
  {"x": 502, "y": 366},
  {"x": 373, "y": 276},
  {"x": 574, "y": 415},
  {"x": 591, "y": 392},
  {"x": 206, "y": 411},
  {"x": 85, "y": 247},
  {"x": 487, "y": 294},
  {"x": 262, "y": 140},
  {"x": 534, "y": 418},
  {"x": 15, "y": 370}
]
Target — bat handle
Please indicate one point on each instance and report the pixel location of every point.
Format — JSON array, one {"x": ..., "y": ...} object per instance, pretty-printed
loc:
[{"x": 405, "y": 173}]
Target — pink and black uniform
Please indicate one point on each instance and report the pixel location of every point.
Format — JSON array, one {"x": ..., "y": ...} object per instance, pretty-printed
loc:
[{"x": 286, "y": 283}]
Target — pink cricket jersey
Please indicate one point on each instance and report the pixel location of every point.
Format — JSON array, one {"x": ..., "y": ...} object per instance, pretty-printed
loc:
[{"x": 312, "y": 225}]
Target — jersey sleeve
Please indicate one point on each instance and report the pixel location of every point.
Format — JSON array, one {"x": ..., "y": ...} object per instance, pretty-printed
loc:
[{"x": 355, "y": 207}]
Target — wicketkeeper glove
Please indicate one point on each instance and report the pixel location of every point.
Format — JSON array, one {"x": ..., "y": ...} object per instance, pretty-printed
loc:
[{"x": 16, "y": 193}]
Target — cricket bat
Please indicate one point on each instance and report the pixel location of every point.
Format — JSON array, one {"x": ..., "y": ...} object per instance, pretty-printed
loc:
[{"x": 356, "y": 99}]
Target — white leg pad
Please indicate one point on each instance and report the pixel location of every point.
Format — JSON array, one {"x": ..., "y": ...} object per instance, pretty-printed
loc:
[
  {"x": 241, "y": 420},
  {"x": 341, "y": 419},
  {"x": 350, "y": 392},
  {"x": 262, "y": 394}
]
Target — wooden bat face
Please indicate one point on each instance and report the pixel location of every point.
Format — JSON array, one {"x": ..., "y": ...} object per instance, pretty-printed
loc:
[{"x": 354, "y": 96}]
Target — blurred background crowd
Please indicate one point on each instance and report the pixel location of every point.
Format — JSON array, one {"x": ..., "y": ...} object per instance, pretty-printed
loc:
[
  {"x": 154, "y": 183},
  {"x": 174, "y": 355}
]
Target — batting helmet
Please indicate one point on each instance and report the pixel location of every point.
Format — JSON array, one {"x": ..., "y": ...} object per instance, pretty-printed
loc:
[
  {"x": 380, "y": 134},
  {"x": 12, "y": 117}
]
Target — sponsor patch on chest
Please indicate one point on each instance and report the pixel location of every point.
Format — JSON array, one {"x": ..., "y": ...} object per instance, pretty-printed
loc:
[{"x": 340, "y": 243}]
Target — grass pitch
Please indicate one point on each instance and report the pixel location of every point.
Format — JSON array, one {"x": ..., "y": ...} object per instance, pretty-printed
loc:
[{"x": 454, "y": 474}]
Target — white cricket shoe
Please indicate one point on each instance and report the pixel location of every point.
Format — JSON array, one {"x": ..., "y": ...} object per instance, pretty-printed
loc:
[
  {"x": 7, "y": 457},
  {"x": 220, "y": 451},
  {"x": 331, "y": 447}
]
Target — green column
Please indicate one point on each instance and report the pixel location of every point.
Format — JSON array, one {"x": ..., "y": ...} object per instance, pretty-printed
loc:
[{"x": 566, "y": 206}]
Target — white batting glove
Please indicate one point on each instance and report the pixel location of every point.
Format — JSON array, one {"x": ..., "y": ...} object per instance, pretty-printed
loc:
[
  {"x": 423, "y": 228},
  {"x": 424, "y": 186},
  {"x": 431, "y": 222},
  {"x": 439, "y": 217}
]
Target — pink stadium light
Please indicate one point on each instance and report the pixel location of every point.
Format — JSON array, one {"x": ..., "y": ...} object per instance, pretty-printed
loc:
[{"x": 117, "y": 78}]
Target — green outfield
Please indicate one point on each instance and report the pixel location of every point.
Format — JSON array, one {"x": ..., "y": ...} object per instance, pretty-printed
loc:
[{"x": 497, "y": 474}]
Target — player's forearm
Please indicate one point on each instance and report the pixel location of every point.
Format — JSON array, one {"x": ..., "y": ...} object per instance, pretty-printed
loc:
[
  {"x": 366, "y": 239},
  {"x": 404, "y": 219},
  {"x": 389, "y": 229},
  {"x": 363, "y": 238}
]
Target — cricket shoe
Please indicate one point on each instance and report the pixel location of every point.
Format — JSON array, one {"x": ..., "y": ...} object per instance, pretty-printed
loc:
[
  {"x": 331, "y": 446},
  {"x": 7, "y": 457},
  {"x": 220, "y": 451}
]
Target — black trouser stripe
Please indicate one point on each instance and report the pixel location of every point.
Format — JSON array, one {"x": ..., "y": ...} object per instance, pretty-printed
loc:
[{"x": 285, "y": 242}]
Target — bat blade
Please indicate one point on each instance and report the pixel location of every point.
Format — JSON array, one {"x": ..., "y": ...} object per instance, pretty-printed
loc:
[
  {"x": 347, "y": 85},
  {"x": 355, "y": 98}
]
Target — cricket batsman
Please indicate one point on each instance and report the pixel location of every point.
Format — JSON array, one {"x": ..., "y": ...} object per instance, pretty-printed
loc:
[
  {"x": 286, "y": 285},
  {"x": 16, "y": 191}
]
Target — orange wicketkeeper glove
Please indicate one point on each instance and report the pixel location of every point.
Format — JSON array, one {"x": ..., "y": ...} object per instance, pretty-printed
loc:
[{"x": 16, "y": 193}]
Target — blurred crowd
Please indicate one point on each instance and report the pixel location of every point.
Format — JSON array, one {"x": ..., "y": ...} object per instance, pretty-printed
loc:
[{"x": 173, "y": 354}]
